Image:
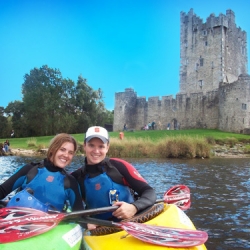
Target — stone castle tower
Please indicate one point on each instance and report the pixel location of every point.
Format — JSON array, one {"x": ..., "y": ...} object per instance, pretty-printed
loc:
[
  {"x": 214, "y": 84},
  {"x": 211, "y": 52}
]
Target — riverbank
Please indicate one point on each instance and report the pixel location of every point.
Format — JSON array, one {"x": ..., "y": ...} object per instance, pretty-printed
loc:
[{"x": 217, "y": 151}]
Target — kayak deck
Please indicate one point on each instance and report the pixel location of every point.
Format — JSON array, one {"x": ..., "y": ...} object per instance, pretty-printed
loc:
[{"x": 64, "y": 236}]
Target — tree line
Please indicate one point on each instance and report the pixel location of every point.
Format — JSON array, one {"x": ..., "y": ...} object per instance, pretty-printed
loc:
[{"x": 52, "y": 104}]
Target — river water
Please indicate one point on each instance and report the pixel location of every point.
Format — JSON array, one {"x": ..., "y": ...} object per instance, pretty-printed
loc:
[{"x": 220, "y": 192}]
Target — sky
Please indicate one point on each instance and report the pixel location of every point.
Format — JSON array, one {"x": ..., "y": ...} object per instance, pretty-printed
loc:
[{"x": 114, "y": 44}]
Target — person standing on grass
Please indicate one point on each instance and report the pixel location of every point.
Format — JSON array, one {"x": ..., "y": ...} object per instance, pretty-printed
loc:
[
  {"x": 46, "y": 185},
  {"x": 153, "y": 125},
  {"x": 111, "y": 181},
  {"x": 12, "y": 135},
  {"x": 149, "y": 126},
  {"x": 125, "y": 127}
]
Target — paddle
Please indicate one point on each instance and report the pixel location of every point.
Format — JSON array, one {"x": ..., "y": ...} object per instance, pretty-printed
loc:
[
  {"x": 23, "y": 219},
  {"x": 178, "y": 195},
  {"x": 18, "y": 223}
]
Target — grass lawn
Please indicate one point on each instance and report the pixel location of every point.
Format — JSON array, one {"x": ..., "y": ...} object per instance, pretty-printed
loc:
[{"x": 153, "y": 135}]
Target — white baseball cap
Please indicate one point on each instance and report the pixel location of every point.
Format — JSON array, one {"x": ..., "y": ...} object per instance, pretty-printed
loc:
[{"x": 97, "y": 132}]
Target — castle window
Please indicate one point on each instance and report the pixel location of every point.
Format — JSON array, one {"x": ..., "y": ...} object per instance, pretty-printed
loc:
[
  {"x": 196, "y": 66},
  {"x": 201, "y": 61},
  {"x": 205, "y": 43},
  {"x": 204, "y": 32},
  {"x": 244, "y": 106},
  {"x": 200, "y": 83},
  {"x": 212, "y": 65}
]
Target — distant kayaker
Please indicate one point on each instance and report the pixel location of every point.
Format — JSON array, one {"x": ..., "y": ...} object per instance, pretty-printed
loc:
[
  {"x": 51, "y": 186},
  {"x": 110, "y": 181}
]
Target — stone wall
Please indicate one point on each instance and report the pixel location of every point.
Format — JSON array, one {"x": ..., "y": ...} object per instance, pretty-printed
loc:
[{"x": 198, "y": 110}]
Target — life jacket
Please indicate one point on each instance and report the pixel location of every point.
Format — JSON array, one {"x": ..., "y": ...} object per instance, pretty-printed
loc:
[
  {"x": 42, "y": 182},
  {"x": 106, "y": 188}
]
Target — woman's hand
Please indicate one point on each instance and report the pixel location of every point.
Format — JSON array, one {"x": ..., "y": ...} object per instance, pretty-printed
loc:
[{"x": 125, "y": 210}]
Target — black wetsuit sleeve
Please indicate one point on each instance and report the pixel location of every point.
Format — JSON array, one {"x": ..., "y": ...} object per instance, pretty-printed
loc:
[
  {"x": 137, "y": 183},
  {"x": 73, "y": 193},
  {"x": 15, "y": 181}
]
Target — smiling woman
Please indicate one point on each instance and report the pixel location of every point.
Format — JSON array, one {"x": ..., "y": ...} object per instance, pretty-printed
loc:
[{"x": 47, "y": 180}]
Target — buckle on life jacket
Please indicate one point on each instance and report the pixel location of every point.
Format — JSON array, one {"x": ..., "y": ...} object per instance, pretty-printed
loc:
[
  {"x": 113, "y": 196},
  {"x": 25, "y": 199}
]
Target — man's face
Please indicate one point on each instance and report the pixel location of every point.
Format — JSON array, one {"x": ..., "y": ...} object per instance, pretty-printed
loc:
[{"x": 95, "y": 150}]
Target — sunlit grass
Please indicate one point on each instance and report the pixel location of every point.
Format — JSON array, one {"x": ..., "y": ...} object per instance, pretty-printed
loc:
[{"x": 155, "y": 143}]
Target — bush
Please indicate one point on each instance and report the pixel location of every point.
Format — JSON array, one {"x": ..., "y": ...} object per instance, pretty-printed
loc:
[
  {"x": 210, "y": 140},
  {"x": 183, "y": 147},
  {"x": 31, "y": 142},
  {"x": 231, "y": 141},
  {"x": 41, "y": 146}
]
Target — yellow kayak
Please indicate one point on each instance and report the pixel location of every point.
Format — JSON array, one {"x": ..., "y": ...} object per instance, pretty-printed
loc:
[{"x": 171, "y": 216}]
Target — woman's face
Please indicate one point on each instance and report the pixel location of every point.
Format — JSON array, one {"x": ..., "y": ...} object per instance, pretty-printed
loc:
[
  {"x": 95, "y": 150},
  {"x": 64, "y": 155}
]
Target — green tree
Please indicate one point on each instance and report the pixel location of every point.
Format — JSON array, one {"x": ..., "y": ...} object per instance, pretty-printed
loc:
[
  {"x": 3, "y": 124},
  {"x": 86, "y": 105},
  {"x": 15, "y": 110},
  {"x": 43, "y": 90},
  {"x": 53, "y": 104}
]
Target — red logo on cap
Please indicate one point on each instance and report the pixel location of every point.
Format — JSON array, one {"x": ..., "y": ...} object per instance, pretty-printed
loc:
[{"x": 97, "y": 130}]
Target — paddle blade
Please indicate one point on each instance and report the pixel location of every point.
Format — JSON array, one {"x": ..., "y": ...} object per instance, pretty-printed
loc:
[
  {"x": 165, "y": 236},
  {"x": 14, "y": 213},
  {"x": 13, "y": 233},
  {"x": 18, "y": 223},
  {"x": 178, "y": 195}
]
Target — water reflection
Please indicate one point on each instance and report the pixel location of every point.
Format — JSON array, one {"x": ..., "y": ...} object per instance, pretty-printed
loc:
[{"x": 220, "y": 191}]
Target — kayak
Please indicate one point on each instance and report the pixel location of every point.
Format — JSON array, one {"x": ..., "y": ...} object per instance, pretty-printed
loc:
[
  {"x": 68, "y": 235},
  {"x": 64, "y": 236},
  {"x": 171, "y": 216}
]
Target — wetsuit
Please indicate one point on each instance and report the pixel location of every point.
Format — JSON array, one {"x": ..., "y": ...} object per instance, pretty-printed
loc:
[
  {"x": 50, "y": 184},
  {"x": 118, "y": 171}
]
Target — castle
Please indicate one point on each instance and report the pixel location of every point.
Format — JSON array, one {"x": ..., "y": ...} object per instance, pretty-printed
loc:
[{"x": 214, "y": 84}]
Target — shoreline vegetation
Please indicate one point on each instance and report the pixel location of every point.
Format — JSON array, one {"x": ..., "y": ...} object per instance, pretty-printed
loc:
[{"x": 182, "y": 144}]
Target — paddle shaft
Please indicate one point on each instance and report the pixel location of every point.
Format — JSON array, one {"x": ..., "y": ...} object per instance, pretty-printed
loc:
[
  {"x": 113, "y": 208},
  {"x": 76, "y": 214}
]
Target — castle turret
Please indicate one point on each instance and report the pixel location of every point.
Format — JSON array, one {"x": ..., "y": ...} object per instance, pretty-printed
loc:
[{"x": 124, "y": 111}]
